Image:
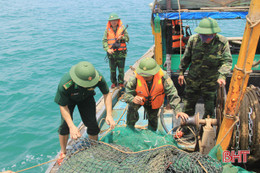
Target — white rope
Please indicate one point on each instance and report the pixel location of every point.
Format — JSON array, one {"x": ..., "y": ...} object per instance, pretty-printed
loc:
[{"x": 252, "y": 23}]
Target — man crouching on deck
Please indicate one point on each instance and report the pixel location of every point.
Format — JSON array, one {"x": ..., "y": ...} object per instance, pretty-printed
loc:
[
  {"x": 148, "y": 88},
  {"x": 77, "y": 88}
]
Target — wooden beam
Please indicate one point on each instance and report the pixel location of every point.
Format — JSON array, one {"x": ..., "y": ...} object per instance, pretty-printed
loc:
[{"x": 241, "y": 74}]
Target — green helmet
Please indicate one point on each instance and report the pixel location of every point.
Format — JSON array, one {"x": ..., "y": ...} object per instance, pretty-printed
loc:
[
  {"x": 113, "y": 16},
  {"x": 84, "y": 74},
  {"x": 208, "y": 26},
  {"x": 147, "y": 67}
]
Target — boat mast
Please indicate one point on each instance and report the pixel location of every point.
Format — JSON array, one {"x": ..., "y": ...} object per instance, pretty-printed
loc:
[{"x": 240, "y": 74}]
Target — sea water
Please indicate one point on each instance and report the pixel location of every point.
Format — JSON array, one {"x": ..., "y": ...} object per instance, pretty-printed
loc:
[{"x": 39, "y": 41}]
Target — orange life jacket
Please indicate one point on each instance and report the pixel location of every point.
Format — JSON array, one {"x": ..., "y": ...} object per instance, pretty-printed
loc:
[
  {"x": 156, "y": 95},
  {"x": 111, "y": 36},
  {"x": 176, "y": 38},
  {"x": 176, "y": 22},
  {"x": 176, "y": 41}
]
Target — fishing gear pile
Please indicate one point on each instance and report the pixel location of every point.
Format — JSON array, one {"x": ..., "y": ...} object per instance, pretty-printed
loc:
[{"x": 139, "y": 151}]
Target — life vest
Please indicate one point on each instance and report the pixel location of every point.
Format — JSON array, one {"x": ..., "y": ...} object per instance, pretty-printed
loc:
[
  {"x": 154, "y": 97},
  {"x": 176, "y": 38},
  {"x": 176, "y": 22},
  {"x": 111, "y": 36},
  {"x": 176, "y": 41}
]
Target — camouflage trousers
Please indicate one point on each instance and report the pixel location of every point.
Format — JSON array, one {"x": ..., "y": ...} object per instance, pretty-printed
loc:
[
  {"x": 195, "y": 89},
  {"x": 117, "y": 60},
  {"x": 149, "y": 113}
]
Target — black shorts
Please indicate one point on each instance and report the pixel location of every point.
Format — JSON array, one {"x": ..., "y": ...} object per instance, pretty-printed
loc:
[{"x": 87, "y": 110}]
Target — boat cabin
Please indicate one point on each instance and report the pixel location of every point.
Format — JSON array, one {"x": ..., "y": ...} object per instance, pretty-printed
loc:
[{"x": 173, "y": 23}]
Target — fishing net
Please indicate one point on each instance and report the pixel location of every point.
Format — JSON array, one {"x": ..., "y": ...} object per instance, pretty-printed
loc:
[
  {"x": 137, "y": 140},
  {"x": 139, "y": 151}
]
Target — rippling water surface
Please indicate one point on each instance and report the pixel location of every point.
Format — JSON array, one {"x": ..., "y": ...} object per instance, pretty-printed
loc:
[{"x": 39, "y": 41}]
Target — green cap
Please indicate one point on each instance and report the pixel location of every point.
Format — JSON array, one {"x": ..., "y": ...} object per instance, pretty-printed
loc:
[
  {"x": 84, "y": 74},
  {"x": 113, "y": 16},
  {"x": 208, "y": 26},
  {"x": 147, "y": 67}
]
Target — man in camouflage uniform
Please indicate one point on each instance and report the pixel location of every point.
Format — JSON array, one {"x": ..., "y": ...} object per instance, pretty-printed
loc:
[
  {"x": 117, "y": 55},
  {"x": 209, "y": 60},
  {"x": 150, "y": 77},
  {"x": 76, "y": 88}
]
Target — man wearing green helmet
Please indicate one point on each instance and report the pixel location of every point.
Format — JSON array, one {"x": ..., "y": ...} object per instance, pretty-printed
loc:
[
  {"x": 114, "y": 43},
  {"x": 148, "y": 88},
  {"x": 76, "y": 88},
  {"x": 209, "y": 60}
]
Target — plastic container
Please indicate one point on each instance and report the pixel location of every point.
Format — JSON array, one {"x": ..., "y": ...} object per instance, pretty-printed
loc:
[{"x": 157, "y": 26}]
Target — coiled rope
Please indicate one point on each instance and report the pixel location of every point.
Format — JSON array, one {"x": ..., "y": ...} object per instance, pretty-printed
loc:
[{"x": 249, "y": 113}]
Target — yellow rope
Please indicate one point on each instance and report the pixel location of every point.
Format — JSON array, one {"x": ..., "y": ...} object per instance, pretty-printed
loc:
[
  {"x": 252, "y": 23},
  {"x": 202, "y": 166},
  {"x": 237, "y": 119},
  {"x": 121, "y": 98},
  {"x": 189, "y": 143},
  {"x": 109, "y": 129},
  {"x": 119, "y": 119},
  {"x": 37, "y": 165},
  {"x": 135, "y": 152},
  {"x": 102, "y": 119},
  {"x": 179, "y": 7}
]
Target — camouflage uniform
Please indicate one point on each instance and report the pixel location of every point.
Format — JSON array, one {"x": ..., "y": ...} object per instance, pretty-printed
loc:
[
  {"x": 207, "y": 63},
  {"x": 132, "y": 114},
  {"x": 117, "y": 59}
]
